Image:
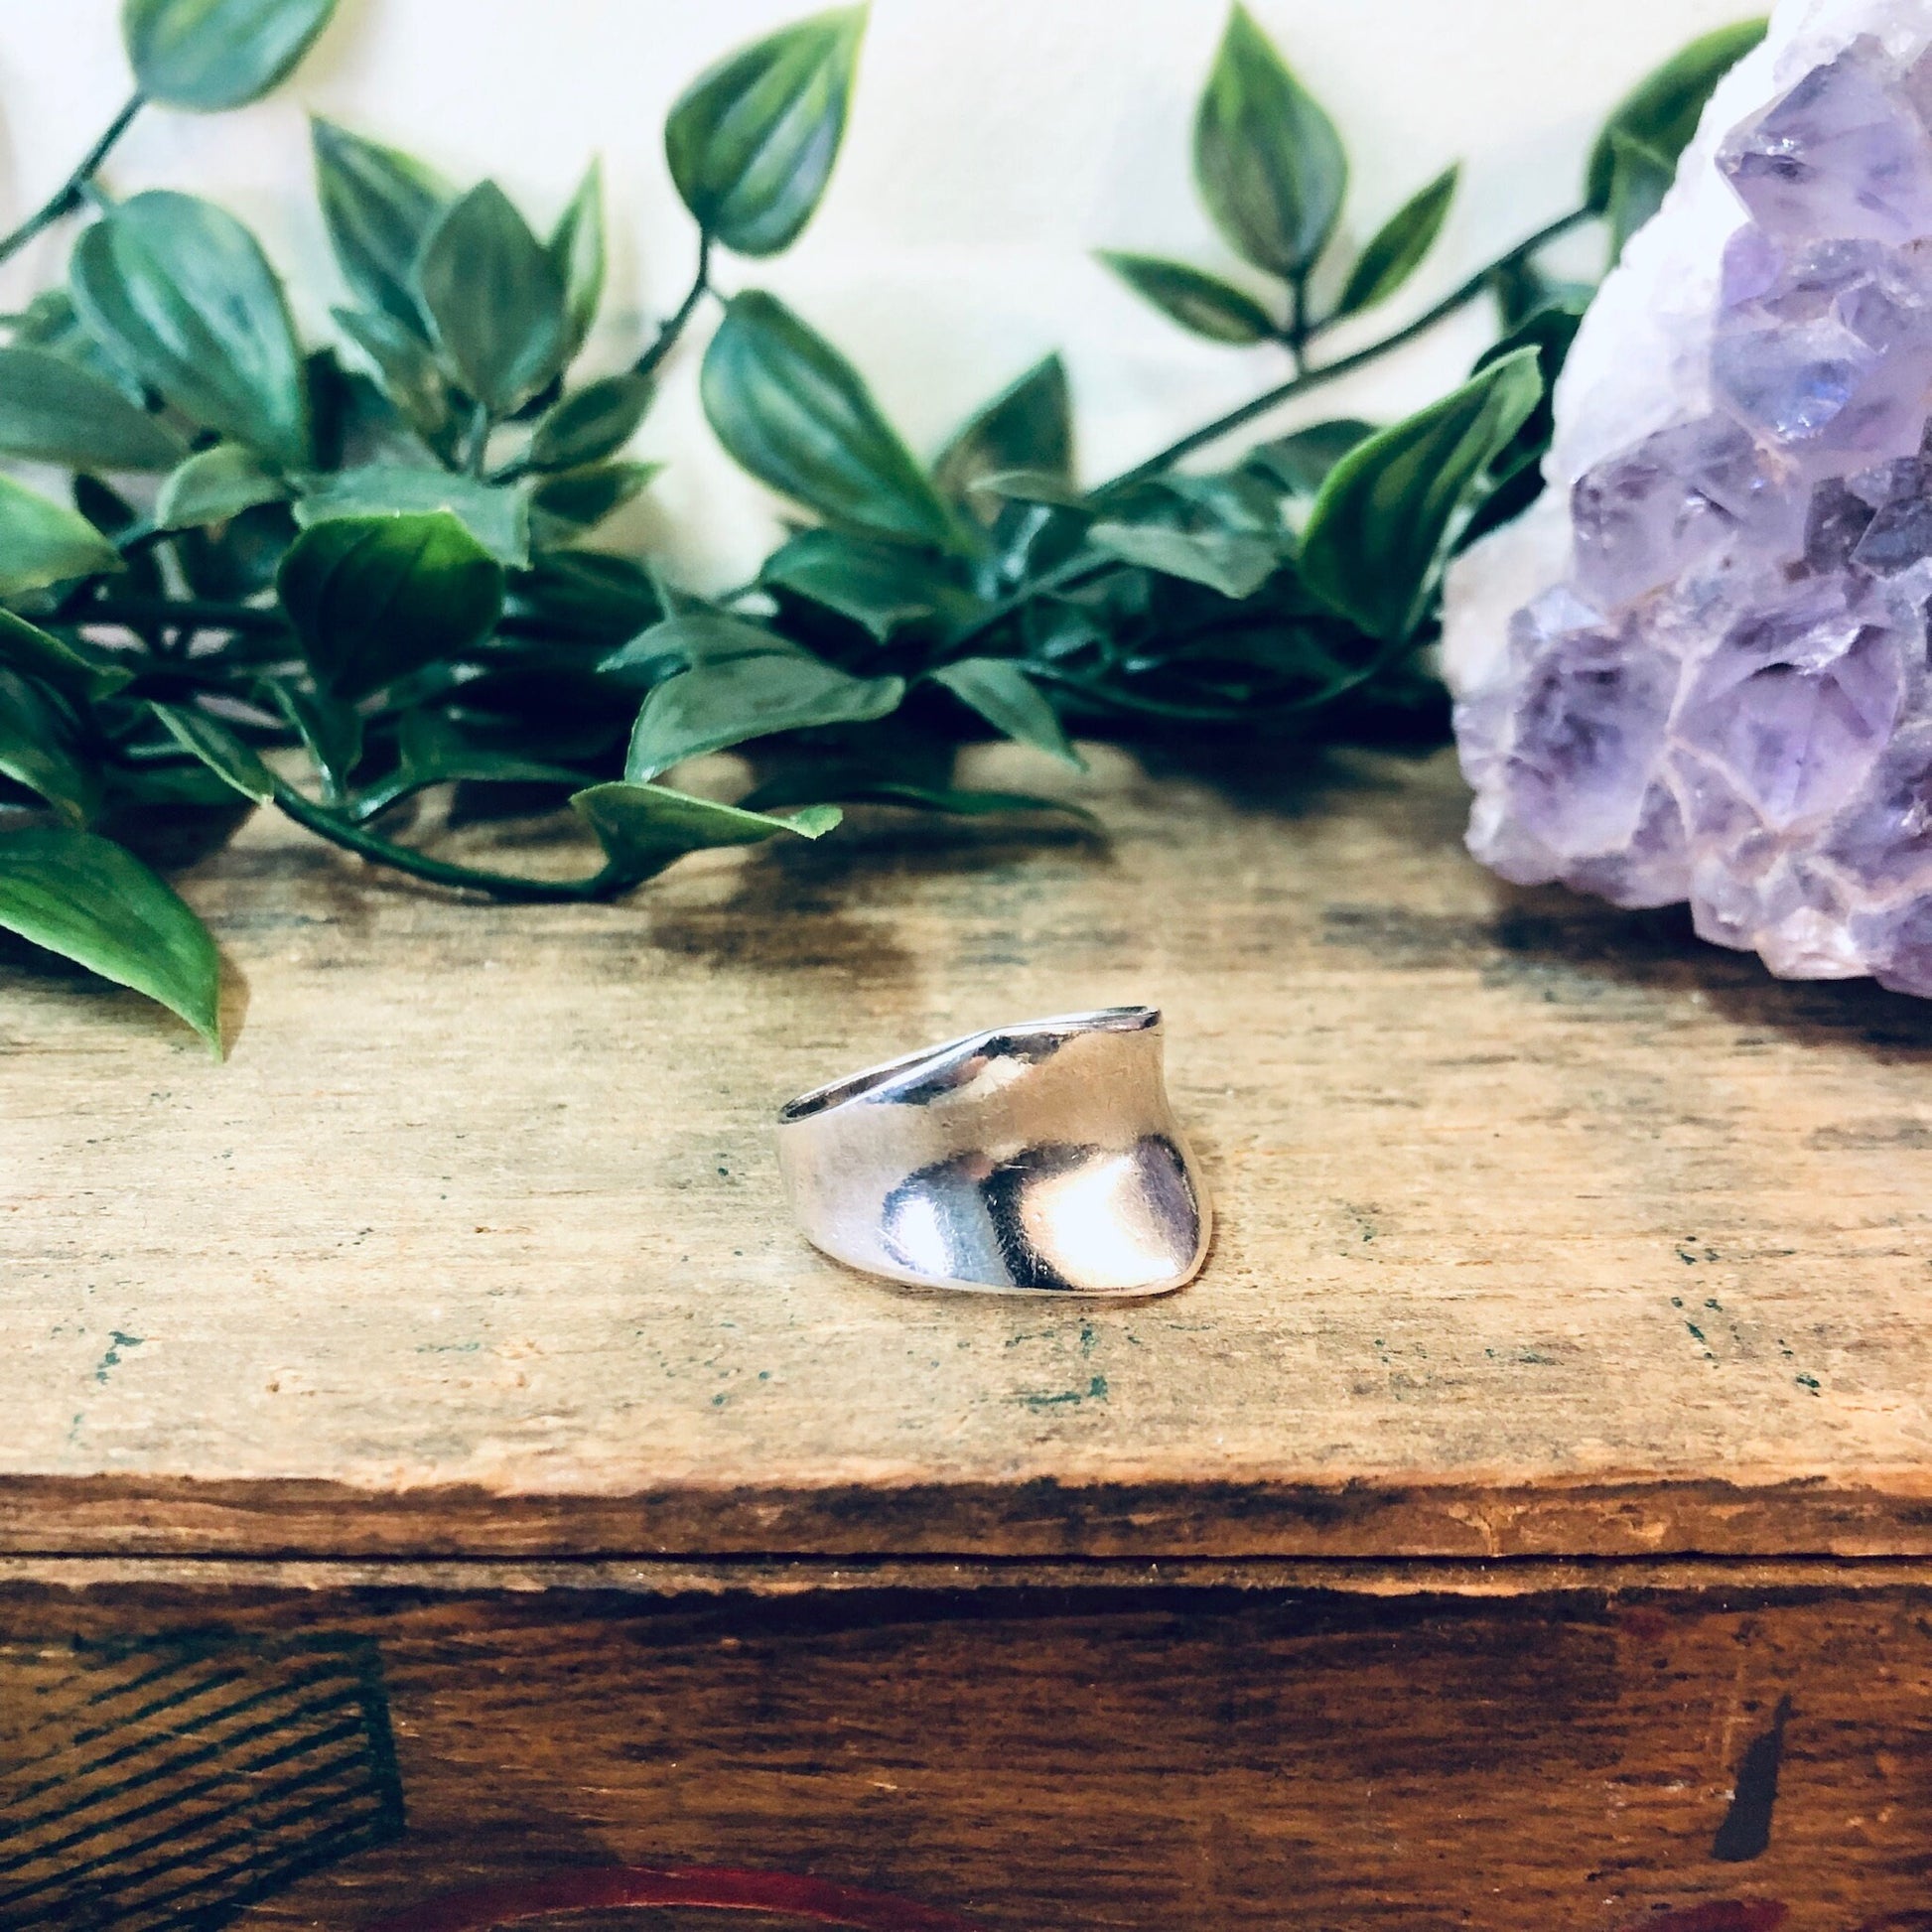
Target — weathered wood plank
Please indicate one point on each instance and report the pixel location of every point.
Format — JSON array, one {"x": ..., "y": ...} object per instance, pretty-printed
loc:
[
  {"x": 1173, "y": 1761},
  {"x": 1543, "y": 1229}
]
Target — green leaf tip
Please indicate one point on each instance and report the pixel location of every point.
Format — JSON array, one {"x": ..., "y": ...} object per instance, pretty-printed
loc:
[
  {"x": 93, "y": 902},
  {"x": 752, "y": 141}
]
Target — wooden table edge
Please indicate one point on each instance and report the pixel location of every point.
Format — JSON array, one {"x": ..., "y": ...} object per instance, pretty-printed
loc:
[{"x": 109, "y": 1516}]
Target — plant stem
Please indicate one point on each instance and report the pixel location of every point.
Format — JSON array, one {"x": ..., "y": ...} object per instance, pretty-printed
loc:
[
  {"x": 601, "y": 886},
  {"x": 1298, "y": 323},
  {"x": 260, "y": 620},
  {"x": 479, "y": 442},
  {"x": 72, "y": 191},
  {"x": 203, "y": 613},
  {"x": 667, "y": 337},
  {"x": 1458, "y": 297}
]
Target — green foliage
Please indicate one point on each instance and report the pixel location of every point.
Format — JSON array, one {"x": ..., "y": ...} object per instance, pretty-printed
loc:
[
  {"x": 1269, "y": 163},
  {"x": 1010, "y": 701},
  {"x": 325, "y": 578},
  {"x": 884, "y": 587},
  {"x": 751, "y": 143},
  {"x": 55, "y": 410},
  {"x": 37, "y": 749},
  {"x": 181, "y": 293},
  {"x": 373, "y": 598},
  {"x": 1385, "y": 520},
  {"x": 594, "y": 423},
  {"x": 798, "y": 416},
  {"x": 496, "y": 516},
  {"x": 379, "y": 207},
  {"x": 644, "y": 828},
  {"x": 1202, "y": 304},
  {"x": 1398, "y": 247},
  {"x": 577, "y": 252},
  {"x": 213, "y": 485},
  {"x": 43, "y": 543},
  {"x": 740, "y": 681},
  {"x": 1660, "y": 114},
  {"x": 94, "y": 903},
  {"x": 208, "y": 55},
  {"x": 1640, "y": 177},
  {"x": 495, "y": 299},
  {"x": 77, "y": 671},
  {"x": 1028, "y": 426}
]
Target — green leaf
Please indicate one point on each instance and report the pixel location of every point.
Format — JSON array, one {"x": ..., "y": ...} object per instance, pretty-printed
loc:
[
  {"x": 1640, "y": 177},
  {"x": 1268, "y": 161},
  {"x": 217, "y": 748},
  {"x": 1236, "y": 565},
  {"x": 1033, "y": 487},
  {"x": 752, "y": 142},
  {"x": 1383, "y": 524},
  {"x": 331, "y": 731},
  {"x": 37, "y": 750},
  {"x": 92, "y": 902},
  {"x": 495, "y": 299},
  {"x": 590, "y": 423},
  {"x": 43, "y": 542},
  {"x": 1201, "y": 303},
  {"x": 576, "y": 249},
  {"x": 567, "y": 507},
  {"x": 798, "y": 416},
  {"x": 432, "y": 751},
  {"x": 1029, "y": 426},
  {"x": 742, "y": 682},
  {"x": 643, "y": 828},
  {"x": 408, "y": 373},
  {"x": 181, "y": 292},
  {"x": 379, "y": 205},
  {"x": 498, "y": 518},
  {"x": 1552, "y": 333},
  {"x": 374, "y": 598},
  {"x": 53, "y": 410},
  {"x": 1010, "y": 701},
  {"x": 77, "y": 670},
  {"x": 601, "y": 596},
  {"x": 211, "y": 55},
  {"x": 213, "y": 485},
  {"x": 1302, "y": 460},
  {"x": 880, "y": 586},
  {"x": 1661, "y": 112},
  {"x": 1399, "y": 246},
  {"x": 851, "y": 786}
]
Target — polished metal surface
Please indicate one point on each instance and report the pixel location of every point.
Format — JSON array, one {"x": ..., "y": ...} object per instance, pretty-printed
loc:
[{"x": 1034, "y": 1159}]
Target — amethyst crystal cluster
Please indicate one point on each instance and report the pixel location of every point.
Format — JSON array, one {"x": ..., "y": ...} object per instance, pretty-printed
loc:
[{"x": 1726, "y": 699}]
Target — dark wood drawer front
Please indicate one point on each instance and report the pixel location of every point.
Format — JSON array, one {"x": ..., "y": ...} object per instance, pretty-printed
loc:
[{"x": 1033, "y": 1760}]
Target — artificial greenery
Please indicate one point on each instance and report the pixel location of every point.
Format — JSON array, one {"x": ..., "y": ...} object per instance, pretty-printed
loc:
[{"x": 371, "y": 559}]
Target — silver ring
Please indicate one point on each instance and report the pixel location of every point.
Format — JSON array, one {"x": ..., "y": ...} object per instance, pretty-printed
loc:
[{"x": 1034, "y": 1159}]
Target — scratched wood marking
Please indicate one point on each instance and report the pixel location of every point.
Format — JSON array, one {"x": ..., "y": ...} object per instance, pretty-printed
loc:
[{"x": 157, "y": 1785}]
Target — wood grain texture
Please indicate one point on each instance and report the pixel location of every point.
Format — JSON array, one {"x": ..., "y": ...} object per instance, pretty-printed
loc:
[
  {"x": 1543, "y": 1229},
  {"x": 1191, "y": 1761}
]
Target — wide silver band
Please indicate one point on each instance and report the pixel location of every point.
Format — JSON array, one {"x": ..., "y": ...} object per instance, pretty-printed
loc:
[{"x": 1034, "y": 1160}]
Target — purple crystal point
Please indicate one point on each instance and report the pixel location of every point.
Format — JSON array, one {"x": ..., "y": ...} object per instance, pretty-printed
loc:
[
  {"x": 1842, "y": 154},
  {"x": 1728, "y": 700}
]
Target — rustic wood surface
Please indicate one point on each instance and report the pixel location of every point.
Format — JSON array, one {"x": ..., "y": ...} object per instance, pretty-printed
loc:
[
  {"x": 1201, "y": 1763},
  {"x": 1543, "y": 1229}
]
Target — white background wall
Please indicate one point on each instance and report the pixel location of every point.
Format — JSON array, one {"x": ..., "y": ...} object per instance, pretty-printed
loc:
[{"x": 993, "y": 144}]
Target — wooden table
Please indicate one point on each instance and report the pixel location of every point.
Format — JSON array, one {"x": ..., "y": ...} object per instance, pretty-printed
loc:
[{"x": 429, "y": 1459}]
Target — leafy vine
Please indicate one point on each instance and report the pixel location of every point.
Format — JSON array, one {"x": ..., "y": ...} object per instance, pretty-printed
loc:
[{"x": 328, "y": 577}]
